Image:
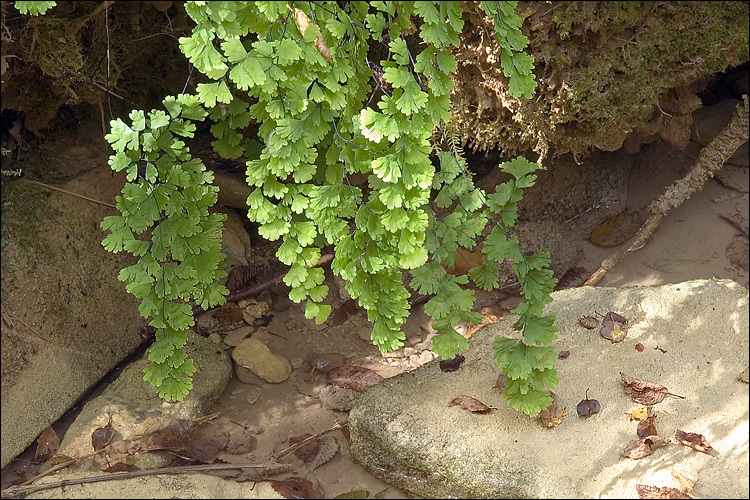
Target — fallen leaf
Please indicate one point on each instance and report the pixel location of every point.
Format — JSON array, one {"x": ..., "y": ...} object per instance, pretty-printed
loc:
[
  {"x": 616, "y": 230},
  {"x": 471, "y": 329},
  {"x": 687, "y": 485},
  {"x": 644, "y": 392},
  {"x": 639, "y": 347},
  {"x": 465, "y": 260},
  {"x": 612, "y": 331},
  {"x": 243, "y": 276},
  {"x": 229, "y": 313},
  {"x": 315, "y": 452},
  {"x": 589, "y": 322},
  {"x": 613, "y": 316},
  {"x": 641, "y": 413},
  {"x": 344, "y": 312},
  {"x": 643, "y": 447},
  {"x": 357, "y": 378},
  {"x": 102, "y": 436},
  {"x": 500, "y": 383},
  {"x": 552, "y": 415},
  {"x": 470, "y": 404},
  {"x": 451, "y": 365},
  {"x": 695, "y": 441},
  {"x": 47, "y": 444},
  {"x": 295, "y": 487},
  {"x": 563, "y": 355},
  {"x": 648, "y": 491},
  {"x": 588, "y": 407},
  {"x": 646, "y": 427},
  {"x": 122, "y": 467},
  {"x": 573, "y": 277}
]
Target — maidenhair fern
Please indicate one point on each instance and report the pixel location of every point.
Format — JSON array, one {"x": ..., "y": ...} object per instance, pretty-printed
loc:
[{"x": 302, "y": 71}]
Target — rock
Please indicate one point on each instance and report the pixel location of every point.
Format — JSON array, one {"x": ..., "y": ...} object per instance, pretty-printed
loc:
[
  {"x": 253, "y": 393},
  {"x": 134, "y": 406},
  {"x": 403, "y": 431},
  {"x": 234, "y": 338},
  {"x": 338, "y": 398},
  {"x": 235, "y": 242},
  {"x": 259, "y": 359},
  {"x": 59, "y": 279}
]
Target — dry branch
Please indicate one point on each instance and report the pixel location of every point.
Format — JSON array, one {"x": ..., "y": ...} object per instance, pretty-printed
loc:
[{"x": 710, "y": 160}]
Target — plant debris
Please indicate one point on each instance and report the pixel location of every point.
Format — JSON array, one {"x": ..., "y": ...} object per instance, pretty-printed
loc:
[
  {"x": 639, "y": 347},
  {"x": 357, "y": 378},
  {"x": 47, "y": 444},
  {"x": 343, "y": 313},
  {"x": 646, "y": 427},
  {"x": 563, "y": 355},
  {"x": 573, "y": 277},
  {"x": 612, "y": 327},
  {"x": 588, "y": 407},
  {"x": 589, "y": 322},
  {"x": 295, "y": 487},
  {"x": 648, "y": 491},
  {"x": 643, "y": 447},
  {"x": 641, "y": 413},
  {"x": 695, "y": 441},
  {"x": 102, "y": 436},
  {"x": 315, "y": 452},
  {"x": 644, "y": 392},
  {"x": 500, "y": 383},
  {"x": 451, "y": 365},
  {"x": 552, "y": 415},
  {"x": 470, "y": 404}
]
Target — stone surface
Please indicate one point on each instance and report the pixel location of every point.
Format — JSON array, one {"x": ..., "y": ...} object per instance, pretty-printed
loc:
[
  {"x": 134, "y": 405},
  {"x": 64, "y": 285},
  {"x": 403, "y": 431},
  {"x": 159, "y": 486},
  {"x": 259, "y": 359}
]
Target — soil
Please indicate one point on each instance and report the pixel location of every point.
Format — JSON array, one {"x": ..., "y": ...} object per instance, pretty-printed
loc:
[{"x": 697, "y": 240}]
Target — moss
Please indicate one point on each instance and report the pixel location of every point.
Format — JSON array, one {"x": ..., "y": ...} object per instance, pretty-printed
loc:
[{"x": 603, "y": 69}]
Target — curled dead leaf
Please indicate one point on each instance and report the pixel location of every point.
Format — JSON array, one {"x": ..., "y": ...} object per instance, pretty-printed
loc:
[
  {"x": 695, "y": 441},
  {"x": 648, "y": 491},
  {"x": 471, "y": 404},
  {"x": 646, "y": 427},
  {"x": 613, "y": 316},
  {"x": 612, "y": 331},
  {"x": 451, "y": 365},
  {"x": 645, "y": 392},
  {"x": 588, "y": 407},
  {"x": 552, "y": 415},
  {"x": 295, "y": 487},
  {"x": 357, "y": 378},
  {"x": 315, "y": 452},
  {"x": 47, "y": 444},
  {"x": 500, "y": 384},
  {"x": 643, "y": 447},
  {"x": 589, "y": 322},
  {"x": 563, "y": 355},
  {"x": 102, "y": 436}
]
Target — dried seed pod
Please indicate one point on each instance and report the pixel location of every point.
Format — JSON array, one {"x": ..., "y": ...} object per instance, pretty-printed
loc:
[{"x": 588, "y": 407}]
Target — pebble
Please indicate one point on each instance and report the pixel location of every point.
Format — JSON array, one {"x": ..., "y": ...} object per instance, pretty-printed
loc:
[
  {"x": 259, "y": 359},
  {"x": 215, "y": 338},
  {"x": 234, "y": 338},
  {"x": 323, "y": 363},
  {"x": 253, "y": 394},
  {"x": 297, "y": 362}
]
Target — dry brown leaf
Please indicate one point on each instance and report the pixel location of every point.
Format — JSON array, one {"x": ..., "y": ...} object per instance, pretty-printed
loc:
[
  {"x": 644, "y": 392},
  {"x": 611, "y": 331},
  {"x": 295, "y": 487},
  {"x": 589, "y": 322},
  {"x": 573, "y": 277},
  {"x": 646, "y": 427},
  {"x": 316, "y": 452},
  {"x": 229, "y": 313},
  {"x": 616, "y": 230},
  {"x": 451, "y": 365},
  {"x": 470, "y": 404},
  {"x": 695, "y": 441},
  {"x": 639, "y": 347},
  {"x": 465, "y": 260},
  {"x": 344, "y": 312},
  {"x": 588, "y": 407},
  {"x": 643, "y": 447},
  {"x": 552, "y": 415},
  {"x": 641, "y": 413},
  {"x": 102, "y": 436},
  {"x": 357, "y": 378},
  {"x": 243, "y": 276},
  {"x": 500, "y": 383},
  {"x": 303, "y": 22},
  {"x": 648, "y": 491},
  {"x": 47, "y": 444},
  {"x": 563, "y": 355}
]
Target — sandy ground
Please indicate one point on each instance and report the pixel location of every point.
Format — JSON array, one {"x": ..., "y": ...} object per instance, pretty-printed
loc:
[{"x": 690, "y": 243}]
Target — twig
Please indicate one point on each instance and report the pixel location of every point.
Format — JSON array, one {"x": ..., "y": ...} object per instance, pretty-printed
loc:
[
  {"x": 8, "y": 317},
  {"x": 293, "y": 447},
  {"x": 269, "y": 468},
  {"x": 72, "y": 193},
  {"x": 256, "y": 288},
  {"x": 711, "y": 159}
]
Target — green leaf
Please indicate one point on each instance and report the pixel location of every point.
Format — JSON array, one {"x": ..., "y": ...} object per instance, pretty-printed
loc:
[{"x": 447, "y": 344}]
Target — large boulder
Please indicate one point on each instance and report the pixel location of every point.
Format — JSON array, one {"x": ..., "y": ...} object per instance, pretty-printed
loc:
[{"x": 695, "y": 339}]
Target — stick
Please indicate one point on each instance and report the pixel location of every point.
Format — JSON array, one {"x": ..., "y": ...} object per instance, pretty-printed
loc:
[
  {"x": 710, "y": 160},
  {"x": 72, "y": 193},
  {"x": 268, "y": 468}
]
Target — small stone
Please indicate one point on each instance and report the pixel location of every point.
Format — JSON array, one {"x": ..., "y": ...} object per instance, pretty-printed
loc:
[
  {"x": 246, "y": 376},
  {"x": 297, "y": 362},
  {"x": 254, "y": 308},
  {"x": 425, "y": 357},
  {"x": 256, "y": 356},
  {"x": 215, "y": 338},
  {"x": 234, "y": 338},
  {"x": 253, "y": 394},
  {"x": 338, "y": 398}
]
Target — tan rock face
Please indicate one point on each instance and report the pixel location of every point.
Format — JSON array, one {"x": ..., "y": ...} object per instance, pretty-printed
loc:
[{"x": 259, "y": 359}]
